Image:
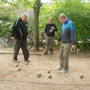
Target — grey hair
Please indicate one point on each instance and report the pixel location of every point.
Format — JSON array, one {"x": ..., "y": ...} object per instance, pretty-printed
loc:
[
  {"x": 62, "y": 16},
  {"x": 24, "y": 14}
]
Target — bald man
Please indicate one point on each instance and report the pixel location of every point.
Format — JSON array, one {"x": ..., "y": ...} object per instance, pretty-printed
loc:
[{"x": 19, "y": 36}]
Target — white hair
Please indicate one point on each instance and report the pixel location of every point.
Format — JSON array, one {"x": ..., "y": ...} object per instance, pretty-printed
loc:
[{"x": 24, "y": 14}]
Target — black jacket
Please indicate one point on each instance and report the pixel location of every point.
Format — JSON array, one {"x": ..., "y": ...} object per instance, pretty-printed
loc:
[
  {"x": 48, "y": 28},
  {"x": 19, "y": 30}
]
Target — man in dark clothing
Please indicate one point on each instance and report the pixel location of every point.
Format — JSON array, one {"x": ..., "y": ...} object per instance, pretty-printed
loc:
[
  {"x": 68, "y": 39},
  {"x": 19, "y": 36},
  {"x": 50, "y": 33}
]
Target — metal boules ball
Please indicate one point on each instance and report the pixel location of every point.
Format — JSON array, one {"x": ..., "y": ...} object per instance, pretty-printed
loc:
[
  {"x": 19, "y": 68},
  {"x": 81, "y": 76},
  {"x": 16, "y": 65},
  {"x": 39, "y": 75},
  {"x": 49, "y": 76},
  {"x": 48, "y": 71}
]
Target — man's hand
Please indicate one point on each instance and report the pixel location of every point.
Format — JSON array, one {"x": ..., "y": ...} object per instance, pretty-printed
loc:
[
  {"x": 44, "y": 34},
  {"x": 26, "y": 36},
  {"x": 13, "y": 38},
  {"x": 57, "y": 43},
  {"x": 73, "y": 46}
]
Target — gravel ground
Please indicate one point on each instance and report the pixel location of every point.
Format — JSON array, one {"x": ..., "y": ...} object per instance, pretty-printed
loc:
[{"x": 27, "y": 79}]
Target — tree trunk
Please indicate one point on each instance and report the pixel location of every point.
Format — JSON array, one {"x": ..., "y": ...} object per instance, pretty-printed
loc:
[{"x": 36, "y": 24}]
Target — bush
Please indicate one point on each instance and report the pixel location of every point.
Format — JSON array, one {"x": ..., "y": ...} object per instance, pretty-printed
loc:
[
  {"x": 79, "y": 13},
  {"x": 8, "y": 17}
]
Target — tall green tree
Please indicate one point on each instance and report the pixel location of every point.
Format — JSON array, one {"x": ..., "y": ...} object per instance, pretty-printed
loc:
[{"x": 36, "y": 24}]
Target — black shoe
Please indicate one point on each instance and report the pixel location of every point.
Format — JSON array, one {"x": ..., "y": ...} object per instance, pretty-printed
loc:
[
  {"x": 45, "y": 53},
  {"x": 27, "y": 61}
]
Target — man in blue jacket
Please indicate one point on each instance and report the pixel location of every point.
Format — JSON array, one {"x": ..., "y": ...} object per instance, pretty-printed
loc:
[{"x": 68, "y": 39}]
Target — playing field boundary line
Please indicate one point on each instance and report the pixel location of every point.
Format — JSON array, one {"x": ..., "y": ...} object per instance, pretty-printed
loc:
[{"x": 44, "y": 83}]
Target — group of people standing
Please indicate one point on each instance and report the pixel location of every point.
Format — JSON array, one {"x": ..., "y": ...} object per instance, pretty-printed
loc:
[{"x": 67, "y": 38}]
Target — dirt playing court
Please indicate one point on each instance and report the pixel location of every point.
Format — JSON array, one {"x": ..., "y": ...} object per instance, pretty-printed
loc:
[{"x": 26, "y": 79}]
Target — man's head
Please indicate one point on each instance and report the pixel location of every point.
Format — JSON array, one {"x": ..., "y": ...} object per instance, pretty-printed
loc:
[
  {"x": 50, "y": 20},
  {"x": 24, "y": 17},
  {"x": 62, "y": 18}
]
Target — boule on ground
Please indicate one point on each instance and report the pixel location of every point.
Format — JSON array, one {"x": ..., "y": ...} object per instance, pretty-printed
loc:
[
  {"x": 39, "y": 75},
  {"x": 81, "y": 76},
  {"x": 19, "y": 68},
  {"x": 16, "y": 65},
  {"x": 48, "y": 71},
  {"x": 49, "y": 76}
]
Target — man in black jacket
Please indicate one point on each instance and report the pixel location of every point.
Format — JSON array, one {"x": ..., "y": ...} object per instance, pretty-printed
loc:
[
  {"x": 19, "y": 36},
  {"x": 50, "y": 33}
]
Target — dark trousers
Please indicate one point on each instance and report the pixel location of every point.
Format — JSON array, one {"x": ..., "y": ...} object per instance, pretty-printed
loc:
[{"x": 23, "y": 45}]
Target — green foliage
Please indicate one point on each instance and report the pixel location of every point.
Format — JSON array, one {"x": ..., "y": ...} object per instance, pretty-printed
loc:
[
  {"x": 29, "y": 4},
  {"x": 7, "y": 15},
  {"x": 31, "y": 23},
  {"x": 77, "y": 10},
  {"x": 79, "y": 13},
  {"x": 46, "y": 11}
]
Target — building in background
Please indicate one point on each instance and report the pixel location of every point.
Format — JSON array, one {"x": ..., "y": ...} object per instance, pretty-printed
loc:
[
  {"x": 30, "y": 12},
  {"x": 22, "y": 10}
]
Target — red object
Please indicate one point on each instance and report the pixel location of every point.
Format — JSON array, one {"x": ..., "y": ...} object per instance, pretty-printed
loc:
[{"x": 15, "y": 75}]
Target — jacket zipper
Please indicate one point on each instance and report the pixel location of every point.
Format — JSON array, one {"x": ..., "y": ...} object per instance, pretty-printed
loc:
[{"x": 20, "y": 32}]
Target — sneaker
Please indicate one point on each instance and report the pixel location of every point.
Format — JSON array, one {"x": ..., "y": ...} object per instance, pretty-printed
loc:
[
  {"x": 45, "y": 53},
  {"x": 59, "y": 68},
  {"x": 27, "y": 61},
  {"x": 64, "y": 71}
]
